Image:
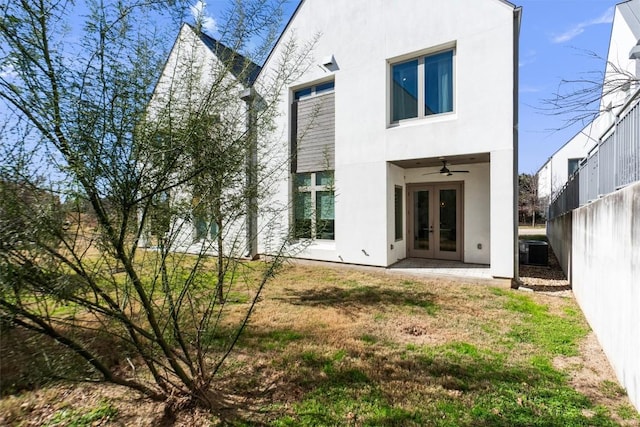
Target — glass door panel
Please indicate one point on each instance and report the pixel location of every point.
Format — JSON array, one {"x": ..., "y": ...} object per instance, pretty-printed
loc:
[
  {"x": 421, "y": 224},
  {"x": 448, "y": 221}
]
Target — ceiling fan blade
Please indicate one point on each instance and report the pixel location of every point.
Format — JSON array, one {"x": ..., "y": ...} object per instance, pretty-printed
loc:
[{"x": 445, "y": 171}]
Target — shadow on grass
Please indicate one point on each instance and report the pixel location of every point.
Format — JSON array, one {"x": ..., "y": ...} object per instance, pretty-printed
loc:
[
  {"x": 29, "y": 360},
  {"x": 267, "y": 340},
  {"x": 455, "y": 384},
  {"x": 361, "y": 296}
]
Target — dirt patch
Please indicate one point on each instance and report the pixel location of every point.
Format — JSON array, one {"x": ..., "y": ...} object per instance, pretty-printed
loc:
[{"x": 591, "y": 374}]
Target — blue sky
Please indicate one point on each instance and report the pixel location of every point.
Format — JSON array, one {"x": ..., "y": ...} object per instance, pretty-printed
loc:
[{"x": 554, "y": 38}]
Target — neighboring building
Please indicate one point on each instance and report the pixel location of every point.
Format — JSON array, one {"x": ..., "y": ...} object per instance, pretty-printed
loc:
[
  {"x": 208, "y": 86},
  {"x": 401, "y": 137},
  {"x": 554, "y": 174},
  {"x": 620, "y": 84}
]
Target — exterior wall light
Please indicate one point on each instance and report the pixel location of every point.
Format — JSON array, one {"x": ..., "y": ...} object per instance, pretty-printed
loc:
[{"x": 328, "y": 61}]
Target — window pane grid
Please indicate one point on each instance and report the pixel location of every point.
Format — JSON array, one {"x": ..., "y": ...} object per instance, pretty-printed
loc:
[{"x": 314, "y": 211}]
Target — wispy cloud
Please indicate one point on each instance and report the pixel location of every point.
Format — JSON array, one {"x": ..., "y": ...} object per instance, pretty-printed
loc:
[
  {"x": 529, "y": 89},
  {"x": 576, "y": 30},
  {"x": 8, "y": 72},
  {"x": 199, "y": 13},
  {"x": 528, "y": 58}
]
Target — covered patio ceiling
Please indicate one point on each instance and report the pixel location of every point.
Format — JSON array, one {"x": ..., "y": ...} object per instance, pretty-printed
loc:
[{"x": 463, "y": 159}]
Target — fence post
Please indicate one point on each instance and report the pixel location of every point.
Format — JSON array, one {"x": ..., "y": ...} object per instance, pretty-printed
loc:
[
  {"x": 598, "y": 171},
  {"x": 615, "y": 154}
]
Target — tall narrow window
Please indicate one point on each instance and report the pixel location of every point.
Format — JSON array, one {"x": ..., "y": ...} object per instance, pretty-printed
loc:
[
  {"x": 422, "y": 86},
  {"x": 313, "y": 161},
  {"x": 303, "y": 215},
  {"x": 325, "y": 218},
  {"x": 314, "y": 212},
  {"x": 398, "y": 213},
  {"x": 313, "y": 128}
]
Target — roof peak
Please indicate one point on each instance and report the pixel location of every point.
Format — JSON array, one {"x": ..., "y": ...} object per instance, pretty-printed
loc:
[{"x": 243, "y": 68}]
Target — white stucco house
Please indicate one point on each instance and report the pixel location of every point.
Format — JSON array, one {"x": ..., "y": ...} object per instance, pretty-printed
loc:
[
  {"x": 620, "y": 85},
  {"x": 400, "y": 140},
  {"x": 555, "y": 172}
]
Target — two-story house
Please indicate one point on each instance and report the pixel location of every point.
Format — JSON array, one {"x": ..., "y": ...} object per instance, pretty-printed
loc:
[
  {"x": 399, "y": 140},
  {"x": 403, "y": 137}
]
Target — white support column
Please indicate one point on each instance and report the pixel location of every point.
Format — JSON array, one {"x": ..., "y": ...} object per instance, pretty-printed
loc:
[{"x": 503, "y": 215}]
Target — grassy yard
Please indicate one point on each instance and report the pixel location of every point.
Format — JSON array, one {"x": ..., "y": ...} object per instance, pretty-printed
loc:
[{"x": 331, "y": 346}]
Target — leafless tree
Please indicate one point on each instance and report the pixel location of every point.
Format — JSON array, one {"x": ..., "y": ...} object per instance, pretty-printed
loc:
[
  {"x": 580, "y": 100},
  {"x": 93, "y": 129}
]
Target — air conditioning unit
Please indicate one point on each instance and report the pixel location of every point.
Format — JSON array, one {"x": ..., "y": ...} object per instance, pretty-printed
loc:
[{"x": 534, "y": 252}]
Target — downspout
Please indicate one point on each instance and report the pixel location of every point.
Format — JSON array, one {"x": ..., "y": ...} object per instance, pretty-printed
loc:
[
  {"x": 517, "y": 19},
  {"x": 251, "y": 225}
]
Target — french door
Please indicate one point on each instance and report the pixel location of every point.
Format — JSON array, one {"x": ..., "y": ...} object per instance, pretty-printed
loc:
[{"x": 435, "y": 220}]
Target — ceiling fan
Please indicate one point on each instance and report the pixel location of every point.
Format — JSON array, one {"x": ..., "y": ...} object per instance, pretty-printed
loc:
[{"x": 445, "y": 171}]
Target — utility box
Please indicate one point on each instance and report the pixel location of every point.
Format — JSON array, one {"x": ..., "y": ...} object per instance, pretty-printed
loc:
[{"x": 534, "y": 252}]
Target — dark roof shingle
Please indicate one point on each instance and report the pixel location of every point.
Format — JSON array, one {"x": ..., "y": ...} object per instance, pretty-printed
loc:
[{"x": 241, "y": 67}]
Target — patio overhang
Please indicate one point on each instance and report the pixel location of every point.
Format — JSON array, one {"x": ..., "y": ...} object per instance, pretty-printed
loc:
[{"x": 460, "y": 159}]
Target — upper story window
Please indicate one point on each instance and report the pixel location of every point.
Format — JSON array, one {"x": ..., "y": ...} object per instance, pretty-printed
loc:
[
  {"x": 573, "y": 165},
  {"x": 313, "y": 90},
  {"x": 422, "y": 86}
]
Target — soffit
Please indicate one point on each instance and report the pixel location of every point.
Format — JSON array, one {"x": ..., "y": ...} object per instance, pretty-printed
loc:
[
  {"x": 631, "y": 13},
  {"x": 464, "y": 159}
]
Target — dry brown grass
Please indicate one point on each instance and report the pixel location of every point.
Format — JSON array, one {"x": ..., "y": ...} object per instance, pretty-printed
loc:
[{"x": 373, "y": 336}]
